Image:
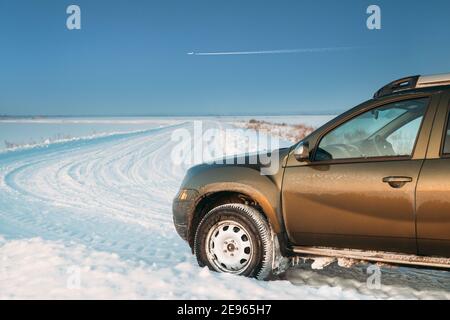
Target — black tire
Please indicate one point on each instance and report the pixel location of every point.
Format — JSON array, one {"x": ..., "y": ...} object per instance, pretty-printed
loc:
[{"x": 260, "y": 264}]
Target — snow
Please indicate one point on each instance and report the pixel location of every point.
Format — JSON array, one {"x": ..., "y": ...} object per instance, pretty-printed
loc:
[
  {"x": 91, "y": 219},
  {"x": 38, "y": 268}
]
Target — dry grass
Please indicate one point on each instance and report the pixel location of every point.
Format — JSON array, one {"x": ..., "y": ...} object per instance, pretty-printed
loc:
[{"x": 293, "y": 133}]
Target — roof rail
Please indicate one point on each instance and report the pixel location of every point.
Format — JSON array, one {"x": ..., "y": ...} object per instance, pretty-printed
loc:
[
  {"x": 397, "y": 85},
  {"x": 433, "y": 80},
  {"x": 413, "y": 82}
]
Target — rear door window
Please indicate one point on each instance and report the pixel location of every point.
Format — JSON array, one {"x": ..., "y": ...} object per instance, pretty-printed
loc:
[{"x": 446, "y": 149}]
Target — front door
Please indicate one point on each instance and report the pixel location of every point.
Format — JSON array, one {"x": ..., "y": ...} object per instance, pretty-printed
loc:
[{"x": 358, "y": 190}]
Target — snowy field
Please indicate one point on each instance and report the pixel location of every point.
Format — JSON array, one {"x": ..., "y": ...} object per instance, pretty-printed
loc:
[{"x": 85, "y": 212}]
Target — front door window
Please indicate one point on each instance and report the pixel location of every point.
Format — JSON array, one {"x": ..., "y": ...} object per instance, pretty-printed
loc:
[{"x": 387, "y": 131}]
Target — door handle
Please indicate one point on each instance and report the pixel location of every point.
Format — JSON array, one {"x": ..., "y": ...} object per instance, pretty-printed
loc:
[{"x": 397, "y": 182}]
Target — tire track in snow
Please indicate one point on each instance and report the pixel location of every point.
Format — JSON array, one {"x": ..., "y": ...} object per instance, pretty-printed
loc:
[{"x": 112, "y": 195}]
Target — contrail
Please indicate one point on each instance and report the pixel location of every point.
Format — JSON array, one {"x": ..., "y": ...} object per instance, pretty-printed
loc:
[{"x": 304, "y": 50}]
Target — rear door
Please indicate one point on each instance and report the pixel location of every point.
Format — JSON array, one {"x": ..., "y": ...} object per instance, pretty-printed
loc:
[{"x": 433, "y": 189}]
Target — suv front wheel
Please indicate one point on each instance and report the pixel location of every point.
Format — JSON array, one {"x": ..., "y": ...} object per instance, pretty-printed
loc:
[{"x": 235, "y": 238}]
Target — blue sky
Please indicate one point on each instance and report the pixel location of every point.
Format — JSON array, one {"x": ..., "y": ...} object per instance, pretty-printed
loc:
[{"x": 130, "y": 57}]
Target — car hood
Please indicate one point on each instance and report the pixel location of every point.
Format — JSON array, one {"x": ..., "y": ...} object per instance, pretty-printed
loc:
[{"x": 256, "y": 161}]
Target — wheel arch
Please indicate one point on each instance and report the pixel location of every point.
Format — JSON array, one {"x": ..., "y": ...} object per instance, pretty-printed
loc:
[{"x": 219, "y": 194}]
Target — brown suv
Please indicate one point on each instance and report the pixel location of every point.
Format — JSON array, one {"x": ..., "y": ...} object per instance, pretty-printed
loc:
[{"x": 372, "y": 184}]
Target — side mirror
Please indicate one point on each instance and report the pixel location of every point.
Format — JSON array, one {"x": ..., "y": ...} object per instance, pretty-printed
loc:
[{"x": 301, "y": 152}]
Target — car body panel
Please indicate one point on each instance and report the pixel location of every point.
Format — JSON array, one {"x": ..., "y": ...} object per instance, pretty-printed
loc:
[
  {"x": 433, "y": 208},
  {"x": 433, "y": 191},
  {"x": 348, "y": 206},
  {"x": 244, "y": 178}
]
